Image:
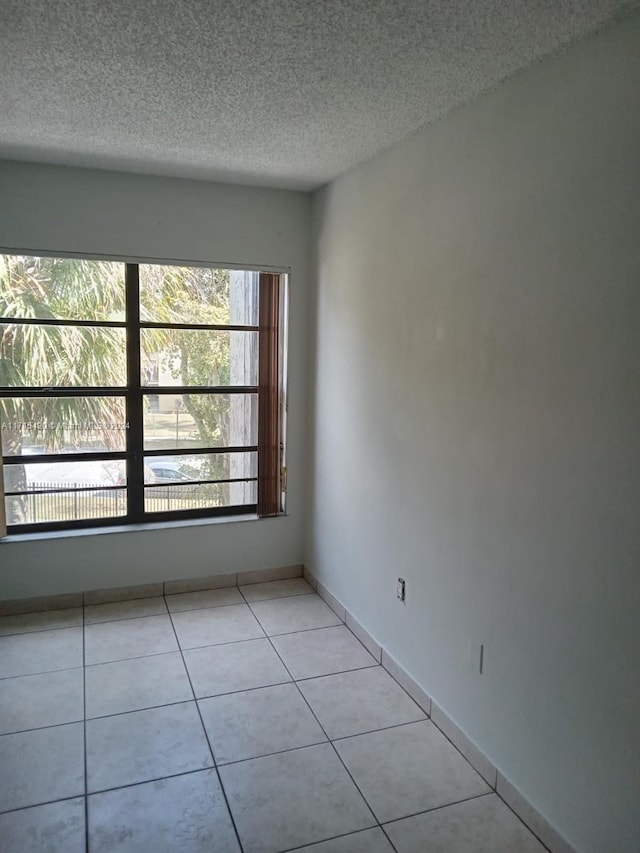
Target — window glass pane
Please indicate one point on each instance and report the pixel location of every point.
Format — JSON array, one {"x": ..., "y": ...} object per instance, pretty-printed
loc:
[
  {"x": 61, "y": 288},
  {"x": 65, "y": 506},
  {"x": 205, "y": 466},
  {"x": 174, "y": 421},
  {"x": 60, "y": 356},
  {"x": 171, "y": 294},
  {"x": 62, "y": 475},
  {"x": 198, "y": 357},
  {"x": 171, "y": 498},
  {"x": 32, "y": 426}
]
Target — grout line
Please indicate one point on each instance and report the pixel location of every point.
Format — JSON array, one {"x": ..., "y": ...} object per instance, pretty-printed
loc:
[
  {"x": 44, "y": 672},
  {"x": 526, "y": 825},
  {"x": 41, "y": 672},
  {"x": 45, "y": 803},
  {"x": 338, "y": 672},
  {"x": 378, "y": 662},
  {"x": 275, "y": 752},
  {"x": 386, "y": 835},
  {"x": 306, "y": 630},
  {"x": 43, "y": 630},
  {"x": 380, "y": 729},
  {"x": 243, "y": 690},
  {"x": 444, "y": 734},
  {"x": 40, "y": 728},
  {"x": 335, "y": 838},
  {"x": 137, "y": 657},
  {"x": 145, "y": 782},
  {"x": 304, "y": 699},
  {"x": 140, "y": 657},
  {"x": 206, "y": 734},
  {"x": 278, "y": 597},
  {"x": 126, "y": 618},
  {"x": 438, "y": 808},
  {"x": 124, "y": 600},
  {"x": 391, "y": 675},
  {"x": 297, "y": 631},
  {"x": 139, "y": 710}
]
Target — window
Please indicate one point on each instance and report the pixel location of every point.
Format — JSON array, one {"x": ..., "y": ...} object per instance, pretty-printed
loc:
[{"x": 133, "y": 392}]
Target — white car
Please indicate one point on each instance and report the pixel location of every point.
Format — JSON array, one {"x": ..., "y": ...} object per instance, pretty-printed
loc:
[
  {"x": 98, "y": 473},
  {"x": 166, "y": 471}
]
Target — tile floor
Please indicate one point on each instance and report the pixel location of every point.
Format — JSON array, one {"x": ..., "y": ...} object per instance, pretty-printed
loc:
[{"x": 239, "y": 719}]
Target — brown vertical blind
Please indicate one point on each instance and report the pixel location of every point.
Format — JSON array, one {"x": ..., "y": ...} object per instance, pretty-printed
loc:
[
  {"x": 269, "y": 486},
  {"x": 3, "y": 517}
]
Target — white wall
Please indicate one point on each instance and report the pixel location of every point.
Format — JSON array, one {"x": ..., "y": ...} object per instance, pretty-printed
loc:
[
  {"x": 76, "y": 210},
  {"x": 477, "y": 423}
]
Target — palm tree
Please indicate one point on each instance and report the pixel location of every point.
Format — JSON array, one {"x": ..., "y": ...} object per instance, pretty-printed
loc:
[{"x": 49, "y": 356}]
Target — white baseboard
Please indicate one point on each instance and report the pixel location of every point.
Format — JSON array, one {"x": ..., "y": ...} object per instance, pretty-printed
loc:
[{"x": 124, "y": 593}]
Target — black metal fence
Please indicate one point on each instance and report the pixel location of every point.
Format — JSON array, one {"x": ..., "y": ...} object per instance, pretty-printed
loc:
[{"x": 43, "y": 502}]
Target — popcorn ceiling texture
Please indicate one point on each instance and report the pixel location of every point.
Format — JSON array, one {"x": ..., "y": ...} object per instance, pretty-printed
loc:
[{"x": 286, "y": 93}]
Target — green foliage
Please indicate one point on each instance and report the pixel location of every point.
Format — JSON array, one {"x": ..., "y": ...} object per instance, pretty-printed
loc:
[
  {"x": 200, "y": 358},
  {"x": 55, "y": 356}
]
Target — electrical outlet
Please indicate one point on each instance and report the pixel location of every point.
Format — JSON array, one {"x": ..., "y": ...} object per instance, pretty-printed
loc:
[
  {"x": 476, "y": 657},
  {"x": 401, "y": 590}
]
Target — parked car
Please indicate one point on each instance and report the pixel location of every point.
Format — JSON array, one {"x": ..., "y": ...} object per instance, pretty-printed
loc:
[{"x": 166, "y": 471}]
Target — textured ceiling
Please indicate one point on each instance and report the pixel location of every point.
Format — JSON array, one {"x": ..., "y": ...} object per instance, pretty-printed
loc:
[{"x": 285, "y": 93}]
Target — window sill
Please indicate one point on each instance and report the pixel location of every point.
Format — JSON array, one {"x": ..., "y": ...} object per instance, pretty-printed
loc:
[{"x": 132, "y": 528}]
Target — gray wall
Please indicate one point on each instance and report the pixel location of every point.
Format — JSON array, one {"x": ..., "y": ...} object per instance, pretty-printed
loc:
[
  {"x": 476, "y": 425},
  {"x": 76, "y": 210}
]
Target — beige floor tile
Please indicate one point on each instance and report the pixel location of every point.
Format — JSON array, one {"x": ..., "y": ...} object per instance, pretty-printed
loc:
[
  {"x": 41, "y": 766},
  {"x": 41, "y": 603},
  {"x": 133, "y": 609},
  {"x": 131, "y": 685},
  {"x": 296, "y": 613},
  {"x": 368, "y": 841},
  {"x": 328, "y": 650},
  {"x": 293, "y": 798},
  {"x": 235, "y": 666},
  {"x": 201, "y": 599},
  {"x": 44, "y": 651},
  {"x": 360, "y": 701},
  {"x": 216, "y": 625},
  {"x": 195, "y": 584},
  {"x": 36, "y": 701},
  {"x": 409, "y": 769},
  {"x": 276, "y": 589},
  {"x": 266, "y": 575},
  {"x": 257, "y": 722},
  {"x": 24, "y": 623},
  {"x": 52, "y": 828},
  {"x": 123, "y": 593},
  {"x": 145, "y": 745},
  {"x": 185, "y": 814},
  {"x": 128, "y": 638},
  {"x": 482, "y": 825}
]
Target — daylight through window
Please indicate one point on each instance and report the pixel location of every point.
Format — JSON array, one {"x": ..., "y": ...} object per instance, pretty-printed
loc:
[{"x": 138, "y": 392}]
